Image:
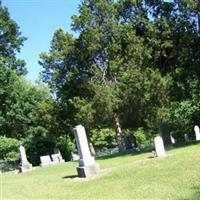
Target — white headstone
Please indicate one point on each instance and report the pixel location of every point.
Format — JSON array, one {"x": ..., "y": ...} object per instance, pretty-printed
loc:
[
  {"x": 87, "y": 164},
  {"x": 23, "y": 155},
  {"x": 197, "y": 132},
  {"x": 159, "y": 146},
  {"x": 75, "y": 156},
  {"x": 83, "y": 147},
  {"x": 57, "y": 158},
  {"x": 24, "y": 165},
  {"x": 172, "y": 139},
  {"x": 45, "y": 161}
]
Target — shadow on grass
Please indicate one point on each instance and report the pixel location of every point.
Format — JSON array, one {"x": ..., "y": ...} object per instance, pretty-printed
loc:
[{"x": 70, "y": 176}]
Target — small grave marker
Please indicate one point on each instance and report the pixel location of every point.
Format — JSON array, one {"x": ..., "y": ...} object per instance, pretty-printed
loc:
[
  {"x": 45, "y": 161},
  {"x": 186, "y": 137}
]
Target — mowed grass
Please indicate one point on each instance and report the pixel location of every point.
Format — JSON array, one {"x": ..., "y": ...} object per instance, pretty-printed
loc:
[{"x": 132, "y": 176}]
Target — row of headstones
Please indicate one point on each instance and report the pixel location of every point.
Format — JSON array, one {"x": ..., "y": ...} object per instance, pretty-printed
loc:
[
  {"x": 25, "y": 165},
  {"x": 159, "y": 145},
  {"x": 166, "y": 134},
  {"x": 87, "y": 165},
  {"x": 130, "y": 141},
  {"x": 54, "y": 159},
  {"x": 197, "y": 134}
]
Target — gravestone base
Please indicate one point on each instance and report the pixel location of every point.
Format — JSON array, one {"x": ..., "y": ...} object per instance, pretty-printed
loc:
[
  {"x": 25, "y": 167},
  {"x": 88, "y": 171}
]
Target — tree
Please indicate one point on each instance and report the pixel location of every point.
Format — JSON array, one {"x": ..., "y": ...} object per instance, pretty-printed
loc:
[
  {"x": 104, "y": 69},
  {"x": 10, "y": 42},
  {"x": 20, "y": 102}
]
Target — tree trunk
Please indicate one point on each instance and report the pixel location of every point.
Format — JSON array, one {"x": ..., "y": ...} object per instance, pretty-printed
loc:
[{"x": 120, "y": 140}]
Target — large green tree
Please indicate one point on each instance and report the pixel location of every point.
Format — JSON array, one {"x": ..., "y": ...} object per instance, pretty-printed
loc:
[
  {"x": 20, "y": 103},
  {"x": 10, "y": 42},
  {"x": 103, "y": 76}
]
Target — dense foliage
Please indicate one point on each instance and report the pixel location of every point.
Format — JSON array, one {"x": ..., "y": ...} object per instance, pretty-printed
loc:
[
  {"x": 133, "y": 66},
  {"x": 10, "y": 42},
  {"x": 28, "y": 113},
  {"x": 9, "y": 148}
]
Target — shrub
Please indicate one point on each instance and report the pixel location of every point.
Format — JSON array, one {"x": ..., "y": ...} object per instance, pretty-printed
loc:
[
  {"x": 142, "y": 137},
  {"x": 182, "y": 117},
  {"x": 103, "y": 139},
  {"x": 66, "y": 146},
  {"x": 38, "y": 143},
  {"x": 9, "y": 149}
]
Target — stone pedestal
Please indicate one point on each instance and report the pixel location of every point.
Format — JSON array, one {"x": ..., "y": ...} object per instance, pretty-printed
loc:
[
  {"x": 88, "y": 171},
  {"x": 159, "y": 146},
  {"x": 87, "y": 165},
  {"x": 24, "y": 165}
]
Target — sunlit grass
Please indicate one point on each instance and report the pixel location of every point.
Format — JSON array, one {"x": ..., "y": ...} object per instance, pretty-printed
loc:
[{"x": 132, "y": 176}]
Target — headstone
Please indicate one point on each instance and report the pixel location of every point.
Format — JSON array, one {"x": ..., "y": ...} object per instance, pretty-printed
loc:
[
  {"x": 61, "y": 160},
  {"x": 172, "y": 139},
  {"x": 24, "y": 165},
  {"x": 165, "y": 134},
  {"x": 74, "y": 156},
  {"x": 186, "y": 137},
  {"x": 57, "y": 152},
  {"x": 197, "y": 132},
  {"x": 159, "y": 146},
  {"x": 87, "y": 165},
  {"x": 45, "y": 161},
  {"x": 55, "y": 158},
  {"x": 130, "y": 142}
]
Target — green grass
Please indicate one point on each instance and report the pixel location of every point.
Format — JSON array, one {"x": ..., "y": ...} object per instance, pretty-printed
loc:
[{"x": 132, "y": 176}]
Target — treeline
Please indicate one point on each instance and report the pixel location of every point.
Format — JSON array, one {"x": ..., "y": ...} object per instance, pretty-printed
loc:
[{"x": 133, "y": 66}]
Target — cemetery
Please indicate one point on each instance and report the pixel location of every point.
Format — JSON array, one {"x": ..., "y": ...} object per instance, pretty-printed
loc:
[
  {"x": 170, "y": 173},
  {"x": 128, "y": 176},
  {"x": 99, "y": 99}
]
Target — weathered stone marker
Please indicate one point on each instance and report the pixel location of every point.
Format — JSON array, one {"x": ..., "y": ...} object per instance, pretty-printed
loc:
[
  {"x": 159, "y": 146},
  {"x": 186, "y": 137},
  {"x": 24, "y": 165},
  {"x": 87, "y": 165},
  {"x": 197, "y": 132}
]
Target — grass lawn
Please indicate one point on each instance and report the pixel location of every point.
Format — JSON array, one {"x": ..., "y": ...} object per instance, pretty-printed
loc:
[{"x": 132, "y": 176}]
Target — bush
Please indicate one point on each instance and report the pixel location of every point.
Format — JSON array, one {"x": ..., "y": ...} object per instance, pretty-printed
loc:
[
  {"x": 9, "y": 149},
  {"x": 142, "y": 137},
  {"x": 66, "y": 146},
  {"x": 38, "y": 143},
  {"x": 103, "y": 139},
  {"x": 182, "y": 117}
]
